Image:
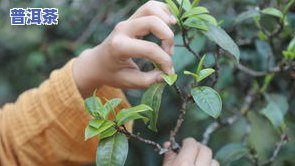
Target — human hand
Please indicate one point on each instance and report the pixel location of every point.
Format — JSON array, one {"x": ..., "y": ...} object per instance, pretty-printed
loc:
[
  {"x": 192, "y": 153},
  {"x": 110, "y": 63}
]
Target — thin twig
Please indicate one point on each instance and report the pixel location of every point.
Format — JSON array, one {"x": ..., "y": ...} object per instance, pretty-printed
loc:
[
  {"x": 217, "y": 65},
  {"x": 282, "y": 66},
  {"x": 283, "y": 140},
  {"x": 157, "y": 146},
  {"x": 184, "y": 98},
  {"x": 180, "y": 119},
  {"x": 252, "y": 156},
  {"x": 217, "y": 125},
  {"x": 209, "y": 130},
  {"x": 254, "y": 73},
  {"x": 186, "y": 44},
  {"x": 277, "y": 30},
  {"x": 248, "y": 101},
  {"x": 247, "y": 132},
  {"x": 180, "y": 93}
]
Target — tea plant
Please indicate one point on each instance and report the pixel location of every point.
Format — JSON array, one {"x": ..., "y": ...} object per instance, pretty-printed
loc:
[{"x": 194, "y": 20}]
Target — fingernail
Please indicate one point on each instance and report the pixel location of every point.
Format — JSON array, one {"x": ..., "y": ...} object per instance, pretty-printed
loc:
[
  {"x": 173, "y": 70},
  {"x": 160, "y": 78},
  {"x": 173, "y": 19},
  {"x": 172, "y": 50},
  {"x": 167, "y": 144}
]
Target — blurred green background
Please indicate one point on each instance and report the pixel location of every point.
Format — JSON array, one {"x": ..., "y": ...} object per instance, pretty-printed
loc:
[{"x": 29, "y": 53}]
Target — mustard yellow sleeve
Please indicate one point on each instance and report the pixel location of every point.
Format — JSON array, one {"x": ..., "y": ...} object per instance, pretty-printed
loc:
[{"x": 45, "y": 126}]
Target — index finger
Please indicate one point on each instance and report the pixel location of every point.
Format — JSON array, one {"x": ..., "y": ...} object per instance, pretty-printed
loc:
[
  {"x": 155, "y": 8},
  {"x": 135, "y": 48},
  {"x": 151, "y": 24}
]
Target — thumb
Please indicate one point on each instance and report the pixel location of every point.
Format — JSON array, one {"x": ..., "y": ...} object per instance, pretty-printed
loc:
[{"x": 169, "y": 156}]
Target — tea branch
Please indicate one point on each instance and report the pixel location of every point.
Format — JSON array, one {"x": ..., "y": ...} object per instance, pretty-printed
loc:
[
  {"x": 180, "y": 119},
  {"x": 157, "y": 146},
  {"x": 253, "y": 157},
  {"x": 217, "y": 65},
  {"x": 283, "y": 65},
  {"x": 283, "y": 140},
  {"x": 276, "y": 69},
  {"x": 278, "y": 29},
  {"x": 185, "y": 43},
  {"x": 217, "y": 125},
  {"x": 209, "y": 130}
]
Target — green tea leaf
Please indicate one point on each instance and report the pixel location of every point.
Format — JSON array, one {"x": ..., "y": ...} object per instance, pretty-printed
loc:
[
  {"x": 153, "y": 97},
  {"x": 170, "y": 79},
  {"x": 221, "y": 38},
  {"x": 275, "y": 109},
  {"x": 205, "y": 73},
  {"x": 96, "y": 123},
  {"x": 230, "y": 153},
  {"x": 110, "y": 105},
  {"x": 105, "y": 126},
  {"x": 291, "y": 46},
  {"x": 136, "y": 109},
  {"x": 246, "y": 15},
  {"x": 173, "y": 7},
  {"x": 262, "y": 36},
  {"x": 207, "y": 18},
  {"x": 195, "y": 11},
  {"x": 281, "y": 101},
  {"x": 195, "y": 3},
  {"x": 200, "y": 64},
  {"x": 112, "y": 151},
  {"x": 107, "y": 133},
  {"x": 290, "y": 52},
  {"x": 190, "y": 73},
  {"x": 289, "y": 55},
  {"x": 288, "y": 5},
  {"x": 273, "y": 12},
  {"x": 274, "y": 116},
  {"x": 93, "y": 105},
  {"x": 128, "y": 114},
  {"x": 186, "y": 4},
  {"x": 97, "y": 127},
  {"x": 196, "y": 23},
  {"x": 130, "y": 117},
  {"x": 208, "y": 100},
  {"x": 267, "y": 80},
  {"x": 90, "y": 132},
  {"x": 256, "y": 20}
]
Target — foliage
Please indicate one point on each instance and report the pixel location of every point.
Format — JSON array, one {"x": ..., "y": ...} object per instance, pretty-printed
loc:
[
  {"x": 205, "y": 97},
  {"x": 113, "y": 148},
  {"x": 112, "y": 151},
  {"x": 257, "y": 116},
  {"x": 230, "y": 153},
  {"x": 192, "y": 21}
]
